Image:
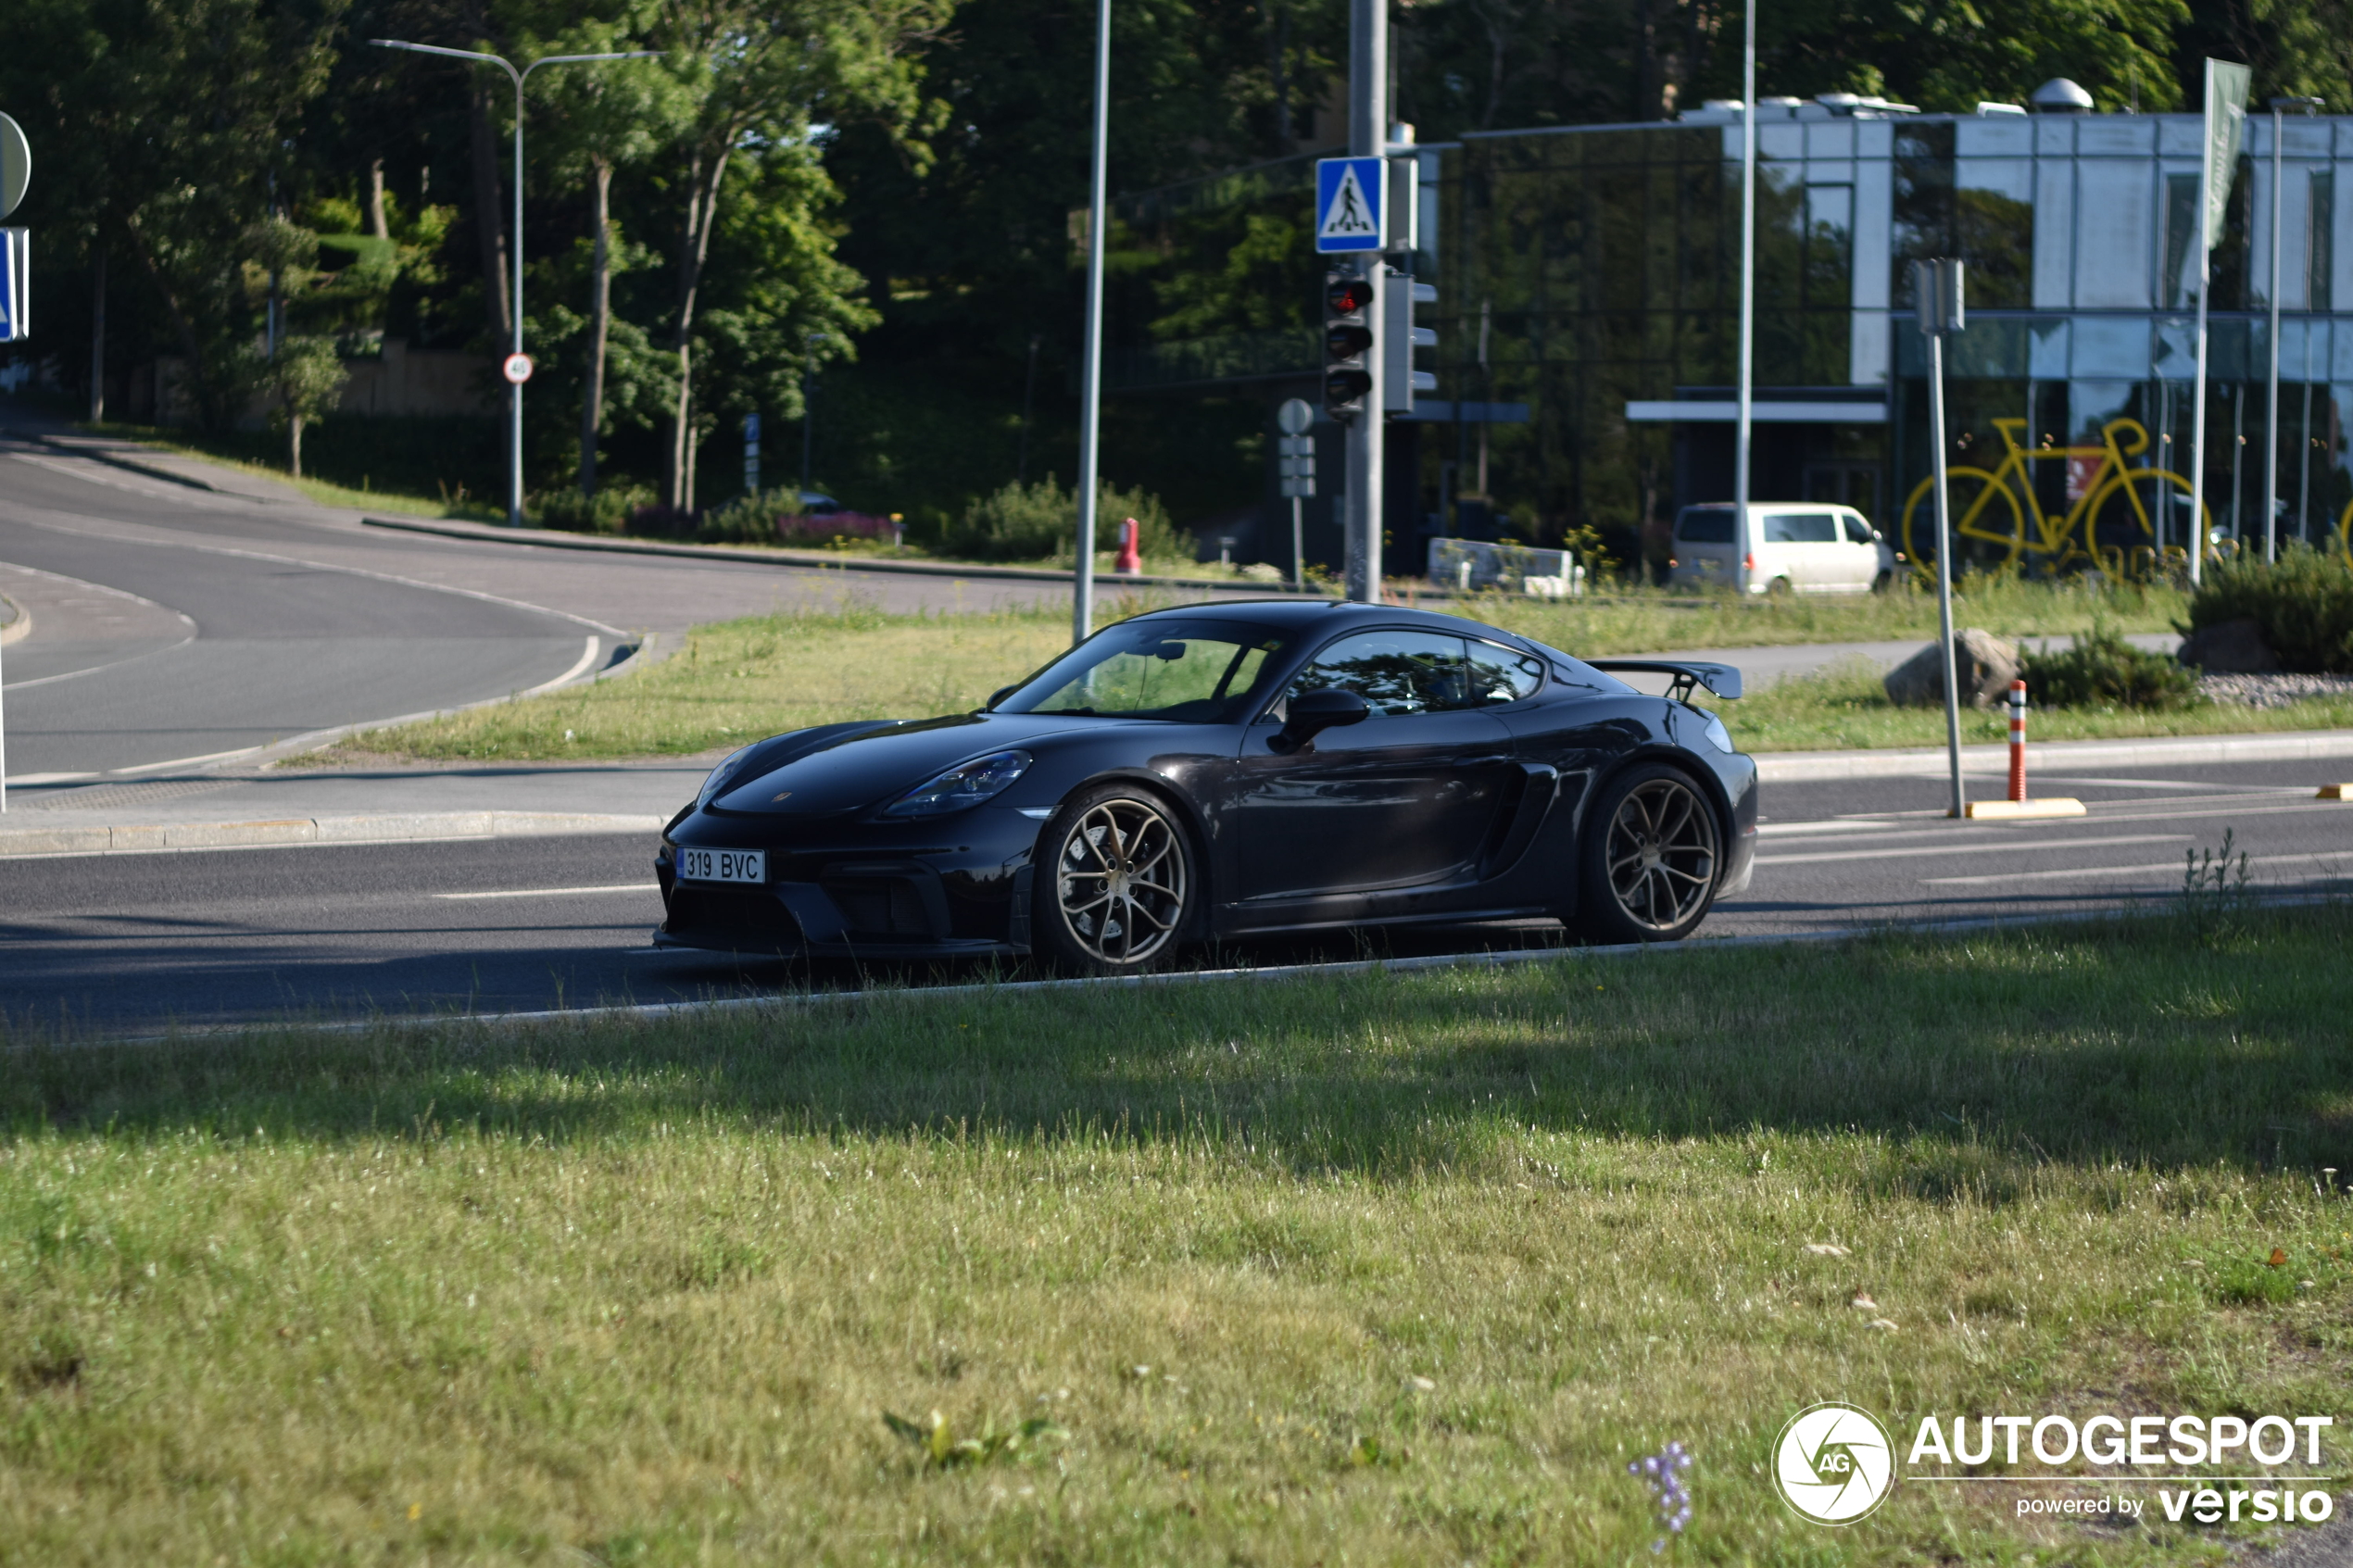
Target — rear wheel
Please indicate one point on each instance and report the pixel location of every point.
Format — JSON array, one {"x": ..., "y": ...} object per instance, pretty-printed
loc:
[
  {"x": 1651, "y": 858},
  {"x": 1115, "y": 887}
]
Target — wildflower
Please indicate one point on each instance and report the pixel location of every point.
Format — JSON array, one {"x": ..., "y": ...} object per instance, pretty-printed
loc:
[{"x": 1662, "y": 1477}]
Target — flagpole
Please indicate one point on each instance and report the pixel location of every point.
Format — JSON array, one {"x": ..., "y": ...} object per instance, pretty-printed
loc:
[{"x": 2197, "y": 398}]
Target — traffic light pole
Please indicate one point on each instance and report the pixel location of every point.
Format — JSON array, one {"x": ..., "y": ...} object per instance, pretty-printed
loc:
[{"x": 1367, "y": 137}]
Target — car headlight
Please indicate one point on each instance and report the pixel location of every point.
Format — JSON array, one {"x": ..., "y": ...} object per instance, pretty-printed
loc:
[
  {"x": 1718, "y": 735},
  {"x": 723, "y": 775},
  {"x": 967, "y": 784}
]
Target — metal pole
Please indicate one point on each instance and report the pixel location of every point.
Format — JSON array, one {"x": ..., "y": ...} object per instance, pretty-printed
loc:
[
  {"x": 2204, "y": 279},
  {"x": 2271, "y": 419},
  {"x": 1369, "y": 137},
  {"x": 1090, "y": 371},
  {"x": 1945, "y": 563},
  {"x": 1747, "y": 369},
  {"x": 1298, "y": 550},
  {"x": 514, "y": 388}
]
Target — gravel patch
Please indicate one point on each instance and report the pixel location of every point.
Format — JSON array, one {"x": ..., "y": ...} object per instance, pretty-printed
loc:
[{"x": 2273, "y": 691}]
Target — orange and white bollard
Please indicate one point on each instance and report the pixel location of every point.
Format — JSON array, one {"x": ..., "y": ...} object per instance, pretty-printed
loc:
[
  {"x": 2018, "y": 805},
  {"x": 2017, "y": 740}
]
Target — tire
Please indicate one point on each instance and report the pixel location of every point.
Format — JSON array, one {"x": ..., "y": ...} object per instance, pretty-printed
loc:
[
  {"x": 1650, "y": 860},
  {"x": 1117, "y": 890},
  {"x": 1989, "y": 526}
]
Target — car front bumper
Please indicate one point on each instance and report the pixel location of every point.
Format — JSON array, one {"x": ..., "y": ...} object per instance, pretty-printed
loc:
[{"x": 952, "y": 886}]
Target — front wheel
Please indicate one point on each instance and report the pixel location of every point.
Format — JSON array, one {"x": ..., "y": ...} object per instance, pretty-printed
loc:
[
  {"x": 1116, "y": 887},
  {"x": 1650, "y": 860},
  {"x": 2135, "y": 508}
]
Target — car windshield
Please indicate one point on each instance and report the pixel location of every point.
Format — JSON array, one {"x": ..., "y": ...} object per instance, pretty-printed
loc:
[{"x": 1184, "y": 672}]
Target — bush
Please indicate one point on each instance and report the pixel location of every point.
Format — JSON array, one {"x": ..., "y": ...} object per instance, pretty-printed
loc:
[
  {"x": 2303, "y": 602},
  {"x": 1037, "y": 523},
  {"x": 608, "y": 511},
  {"x": 2104, "y": 671},
  {"x": 768, "y": 519}
]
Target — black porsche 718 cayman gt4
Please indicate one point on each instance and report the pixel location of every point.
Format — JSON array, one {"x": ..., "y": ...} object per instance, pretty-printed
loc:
[{"x": 1225, "y": 771}]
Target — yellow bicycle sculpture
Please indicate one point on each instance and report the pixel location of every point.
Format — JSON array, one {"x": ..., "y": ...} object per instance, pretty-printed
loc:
[{"x": 2114, "y": 516}]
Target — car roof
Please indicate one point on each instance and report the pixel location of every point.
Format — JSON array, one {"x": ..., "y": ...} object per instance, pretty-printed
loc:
[
  {"x": 1771, "y": 506},
  {"x": 1317, "y": 615}
]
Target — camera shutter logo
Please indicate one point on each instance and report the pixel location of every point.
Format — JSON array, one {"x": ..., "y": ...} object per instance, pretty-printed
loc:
[{"x": 1833, "y": 1463}]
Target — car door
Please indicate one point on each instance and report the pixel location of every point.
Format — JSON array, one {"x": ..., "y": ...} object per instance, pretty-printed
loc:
[
  {"x": 1808, "y": 546},
  {"x": 1408, "y": 797},
  {"x": 1862, "y": 551}
]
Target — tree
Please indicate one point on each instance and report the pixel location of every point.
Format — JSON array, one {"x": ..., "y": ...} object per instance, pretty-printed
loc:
[
  {"x": 762, "y": 78},
  {"x": 307, "y": 378}
]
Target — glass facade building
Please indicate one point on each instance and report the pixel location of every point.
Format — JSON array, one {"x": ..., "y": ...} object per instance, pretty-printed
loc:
[{"x": 1588, "y": 283}]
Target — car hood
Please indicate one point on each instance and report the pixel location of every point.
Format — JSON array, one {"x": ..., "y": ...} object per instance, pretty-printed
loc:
[{"x": 867, "y": 766}]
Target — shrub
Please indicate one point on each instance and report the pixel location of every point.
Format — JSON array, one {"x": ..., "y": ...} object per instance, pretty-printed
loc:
[
  {"x": 608, "y": 511},
  {"x": 2303, "y": 602},
  {"x": 2104, "y": 671},
  {"x": 1037, "y": 523},
  {"x": 768, "y": 519}
]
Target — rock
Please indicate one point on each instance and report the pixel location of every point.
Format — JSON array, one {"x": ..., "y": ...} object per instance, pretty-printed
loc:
[
  {"x": 2230, "y": 647},
  {"x": 1988, "y": 666}
]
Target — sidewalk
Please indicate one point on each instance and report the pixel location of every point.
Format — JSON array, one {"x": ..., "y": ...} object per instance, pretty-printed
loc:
[
  {"x": 375, "y": 806},
  {"x": 354, "y": 805}
]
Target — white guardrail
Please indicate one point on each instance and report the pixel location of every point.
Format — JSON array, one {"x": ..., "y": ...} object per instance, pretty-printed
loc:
[{"x": 1469, "y": 565}]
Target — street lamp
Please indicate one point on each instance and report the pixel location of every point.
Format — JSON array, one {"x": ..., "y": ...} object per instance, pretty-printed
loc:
[
  {"x": 514, "y": 397},
  {"x": 2271, "y": 420}
]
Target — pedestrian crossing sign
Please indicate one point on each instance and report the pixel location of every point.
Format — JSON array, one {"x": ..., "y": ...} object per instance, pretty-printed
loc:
[{"x": 1348, "y": 203}]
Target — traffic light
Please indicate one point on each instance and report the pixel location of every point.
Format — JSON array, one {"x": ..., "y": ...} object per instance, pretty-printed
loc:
[
  {"x": 1400, "y": 338},
  {"x": 1350, "y": 302}
]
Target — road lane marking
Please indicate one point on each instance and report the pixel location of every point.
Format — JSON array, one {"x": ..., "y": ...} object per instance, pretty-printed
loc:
[
  {"x": 1978, "y": 849},
  {"x": 2305, "y": 859},
  {"x": 1822, "y": 828},
  {"x": 558, "y": 892}
]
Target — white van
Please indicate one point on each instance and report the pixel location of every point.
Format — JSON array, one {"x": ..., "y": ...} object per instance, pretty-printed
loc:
[{"x": 1788, "y": 546}]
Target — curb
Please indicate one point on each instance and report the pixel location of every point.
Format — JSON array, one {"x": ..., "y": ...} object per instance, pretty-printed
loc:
[
  {"x": 133, "y": 464},
  {"x": 164, "y": 837},
  {"x": 1804, "y": 767},
  {"x": 19, "y": 626},
  {"x": 548, "y": 539}
]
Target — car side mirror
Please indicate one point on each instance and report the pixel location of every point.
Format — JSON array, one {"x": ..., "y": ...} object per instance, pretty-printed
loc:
[
  {"x": 1311, "y": 713},
  {"x": 999, "y": 695}
]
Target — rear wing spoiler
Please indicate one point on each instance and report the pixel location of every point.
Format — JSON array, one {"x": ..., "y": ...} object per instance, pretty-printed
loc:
[{"x": 1690, "y": 674}]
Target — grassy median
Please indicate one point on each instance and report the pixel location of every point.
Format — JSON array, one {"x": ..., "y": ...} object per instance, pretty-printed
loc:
[
  {"x": 1367, "y": 1268},
  {"x": 738, "y": 680}
]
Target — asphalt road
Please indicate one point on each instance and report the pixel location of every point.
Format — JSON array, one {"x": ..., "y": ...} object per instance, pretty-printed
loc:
[
  {"x": 172, "y": 625},
  {"x": 108, "y": 942}
]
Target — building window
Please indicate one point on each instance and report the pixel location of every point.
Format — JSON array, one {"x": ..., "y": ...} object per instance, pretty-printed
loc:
[{"x": 2320, "y": 255}]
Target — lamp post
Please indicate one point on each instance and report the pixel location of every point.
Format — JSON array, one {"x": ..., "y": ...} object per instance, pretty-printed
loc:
[
  {"x": 514, "y": 388},
  {"x": 2272, "y": 421},
  {"x": 1940, "y": 290}
]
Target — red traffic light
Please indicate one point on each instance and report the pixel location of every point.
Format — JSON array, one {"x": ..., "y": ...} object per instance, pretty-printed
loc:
[
  {"x": 1350, "y": 297},
  {"x": 1346, "y": 341}
]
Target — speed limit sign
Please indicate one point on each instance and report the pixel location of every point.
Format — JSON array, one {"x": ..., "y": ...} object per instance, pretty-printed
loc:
[{"x": 518, "y": 368}]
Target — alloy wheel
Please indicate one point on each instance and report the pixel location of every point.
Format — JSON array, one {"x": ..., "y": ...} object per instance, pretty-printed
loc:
[
  {"x": 1661, "y": 853},
  {"x": 1120, "y": 883}
]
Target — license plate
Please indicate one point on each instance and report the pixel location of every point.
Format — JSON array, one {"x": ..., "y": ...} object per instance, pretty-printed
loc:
[{"x": 723, "y": 865}]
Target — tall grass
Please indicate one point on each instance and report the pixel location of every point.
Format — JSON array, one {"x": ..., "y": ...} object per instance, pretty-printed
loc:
[{"x": 1361, "y": 1268}]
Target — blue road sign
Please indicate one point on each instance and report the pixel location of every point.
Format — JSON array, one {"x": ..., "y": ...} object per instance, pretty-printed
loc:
[{"x": 1348, "y": 203}]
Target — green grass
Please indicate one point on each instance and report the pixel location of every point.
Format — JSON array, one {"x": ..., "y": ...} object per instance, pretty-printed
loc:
[
  {"x": 1847, "y": 707},
  {"x": 343, "y": 448},
  {"x": 645, "y": 1291},
  {"x": 738, "y": 680}
]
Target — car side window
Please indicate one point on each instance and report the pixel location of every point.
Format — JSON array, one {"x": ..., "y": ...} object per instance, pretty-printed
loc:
[
  {"x": 1858, "y": 531},
  {"x": 1397, "y": 673},
  {"x": 1500, "y": 675},
  {"x": 1801, "y": 528}
]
